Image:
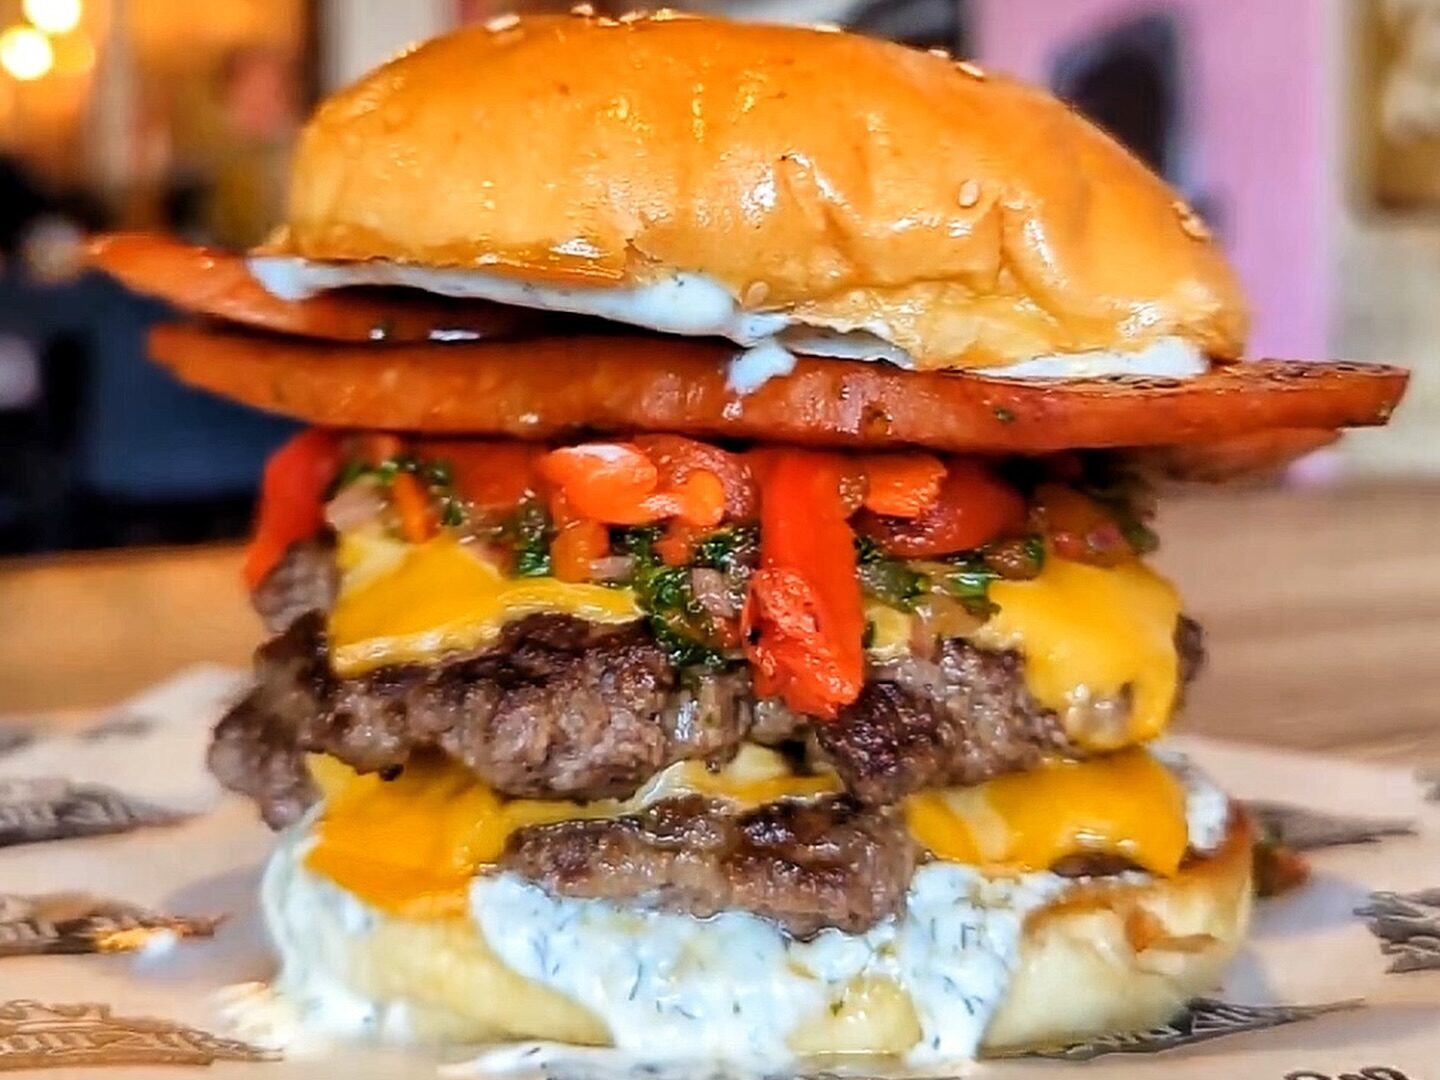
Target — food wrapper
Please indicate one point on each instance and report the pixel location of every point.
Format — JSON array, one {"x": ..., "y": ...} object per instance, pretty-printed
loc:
[
  {"x": 65, "y": 923},
  {"x": 1341, "y": 978}
]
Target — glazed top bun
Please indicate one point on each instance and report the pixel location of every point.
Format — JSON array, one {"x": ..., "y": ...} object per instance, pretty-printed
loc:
[{"x": 853, "y": 183}]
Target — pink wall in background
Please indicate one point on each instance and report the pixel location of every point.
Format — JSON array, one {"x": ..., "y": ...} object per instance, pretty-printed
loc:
[{"x": 1259, "y": 116}]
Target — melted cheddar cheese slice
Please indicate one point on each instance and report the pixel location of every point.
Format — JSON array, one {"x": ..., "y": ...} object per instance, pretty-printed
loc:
[
  {"x": 890, "y": 631},
  {"x": 401, "y": 604},
  {"x": 410, "y": 845},
  {"x": 1087, "y": 633},
  {"x": 1126, "y": 804}
]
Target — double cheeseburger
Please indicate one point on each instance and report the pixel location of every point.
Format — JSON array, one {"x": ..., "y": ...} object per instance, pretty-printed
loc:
[{"x": 710, "y": 611}]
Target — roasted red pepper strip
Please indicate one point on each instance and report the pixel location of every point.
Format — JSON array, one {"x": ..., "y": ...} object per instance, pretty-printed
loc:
[
  {"x": 902, "y": 485},
  {"x": 576, "y": 547},
  {"x": 489, "y": 475},
  {"x": 292, "y": 499},
  {"x": 973, "y": 507},
  {"x": 804, "y": 619},
  {"x": 618, "y": 484},
  {"x": 418, "y": 520},
  {"x": 676, "y": 546},
  {"x": 677, "y": 458}
]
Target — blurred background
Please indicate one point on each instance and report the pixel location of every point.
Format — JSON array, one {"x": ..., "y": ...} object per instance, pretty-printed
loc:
[{"x": 1307, "y": 131}]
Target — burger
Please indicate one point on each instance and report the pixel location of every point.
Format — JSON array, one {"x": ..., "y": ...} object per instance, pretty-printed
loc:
[{"x": 710, "y": 612}]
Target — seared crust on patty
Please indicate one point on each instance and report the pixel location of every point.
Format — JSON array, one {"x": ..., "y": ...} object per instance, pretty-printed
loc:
[
  {"x": 561, "y": 708},
  {"x": 960, "y": 719},
  {"x": 558, "y": 708},
  {"x": 806, "y": 865},
  {"x": 305, "y": 579}
]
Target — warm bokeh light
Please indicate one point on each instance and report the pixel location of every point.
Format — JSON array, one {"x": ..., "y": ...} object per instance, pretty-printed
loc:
[
  {"x": 74, "y": 54},
  {"x": 53, "y": 16},
  {"x": 25, "y": 53}
]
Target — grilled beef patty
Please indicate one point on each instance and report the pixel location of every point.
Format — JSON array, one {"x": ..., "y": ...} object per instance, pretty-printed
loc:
[
  {"x": 806, "y": 866},
  {"x": 305, "y": 579},
  {"x": 958, "y": 719},
  {"x": 558, "y": 708},
  {"x": 561, "y": 708}
]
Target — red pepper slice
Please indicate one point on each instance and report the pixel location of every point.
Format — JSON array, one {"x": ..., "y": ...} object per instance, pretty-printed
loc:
[
  {"x": 418, "y": 519},
  {"x": 618, "y": 484},
  {"x": 804, "y": 620},
  {"x": 902, "y": 485},
  {"x": 292, "y": 499},
  {"x": 974, "y": 507},
  {"x": 676, "y": 546},
  {"x": 677, "y": 458},
  {"x": 576, "y": 546},
  {"x": 489, "y": 475}
]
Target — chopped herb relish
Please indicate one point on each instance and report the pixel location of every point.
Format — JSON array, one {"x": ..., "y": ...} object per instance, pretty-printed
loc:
[
  {"x": 437, "y": 476},
  {"x": 528, "y": 530},
  {"x": 967, "y": 577},
  {"x": 891, "y": 581},
  {"x": 1125, "y": 495},
  {"x": 680, "y": 623},
  {"x": 691, "y": 634},
  {"x": 728, "y": 548}
]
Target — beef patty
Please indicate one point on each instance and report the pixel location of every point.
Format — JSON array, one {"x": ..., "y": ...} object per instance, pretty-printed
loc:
[
  {"x": 960, "y": 716},
  {"x": 561, "y": 708},
  {"x": 558, "y": 708},
  {"x": 807, "y": 866},
  {"x": 305, "y": 579}
]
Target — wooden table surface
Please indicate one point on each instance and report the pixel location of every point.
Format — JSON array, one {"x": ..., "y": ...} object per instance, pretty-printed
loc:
[{"x": 1322, "y": 609}]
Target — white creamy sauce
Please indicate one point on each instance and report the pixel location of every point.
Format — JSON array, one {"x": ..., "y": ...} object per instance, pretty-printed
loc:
[
  {"x": 557, "y": 1061},
  {"x": 696, "y": 305},
  {"x": 672, "y": 988},
  {"x": 734, "y": 987},
  {"x": 757, "y": 365},
  {"x": 1170, "y": 356},
  {"x": 1207, "y": 807},
  {"x": 311, "y": 922}
]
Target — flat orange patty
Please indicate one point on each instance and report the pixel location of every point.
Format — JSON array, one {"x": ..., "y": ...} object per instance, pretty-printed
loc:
[
  {"x": 554, "y": 386},
  {"x": 218, "y": 284}
]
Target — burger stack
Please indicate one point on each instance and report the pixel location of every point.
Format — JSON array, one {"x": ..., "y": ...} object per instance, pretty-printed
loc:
[{"x": 710, "y": 613}]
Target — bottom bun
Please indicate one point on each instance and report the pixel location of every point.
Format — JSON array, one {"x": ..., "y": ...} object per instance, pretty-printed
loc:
[
  {"x": 1121, "y": 957},
  {"x": 1086, "y": 958}
]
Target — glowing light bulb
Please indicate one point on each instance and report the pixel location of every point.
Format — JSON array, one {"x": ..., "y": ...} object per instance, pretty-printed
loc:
[
  {"x": 53, "y": 16},
  {"x": 26, "y": 53}
]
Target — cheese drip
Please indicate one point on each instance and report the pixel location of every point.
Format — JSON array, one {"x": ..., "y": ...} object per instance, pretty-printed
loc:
[
  {"x": 410, "y": 845},
  {"x": 400, "y": 604},
  {"x": 1089, "y": 633},
  {"x": 1127, "y": 804}
]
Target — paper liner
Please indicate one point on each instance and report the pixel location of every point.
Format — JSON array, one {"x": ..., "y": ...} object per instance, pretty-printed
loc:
[
  {"x": 1203, "y": 1020},
  {"x": 34, "y": 1035},
  {"x": 1408, "y": 926},
  {"x": 1302, "y": 829},
  {"x": 72, "y": 923}
]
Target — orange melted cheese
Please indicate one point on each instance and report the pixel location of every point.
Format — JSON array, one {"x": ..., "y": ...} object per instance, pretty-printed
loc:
[
  {"x": 410, "y": 845},
  {"x": 1087, "y": 633},
  {"x": 1127, "y": 804},
  {"x": 401, "y": 604}
]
